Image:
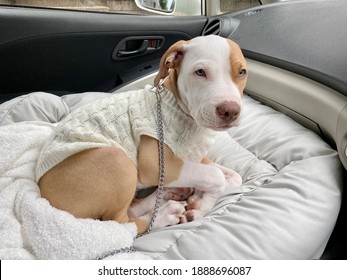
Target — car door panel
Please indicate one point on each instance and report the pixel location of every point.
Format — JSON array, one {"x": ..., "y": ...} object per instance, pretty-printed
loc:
[{"x": 69, "y": 51}]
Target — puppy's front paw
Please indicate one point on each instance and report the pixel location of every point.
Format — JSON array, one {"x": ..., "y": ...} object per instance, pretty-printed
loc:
[
  {"x": 232, "y": 179},
  {"x": 169, "y": 213},
  {"x": 193, "y": 214},
  {"x": 193, "y": 203}
]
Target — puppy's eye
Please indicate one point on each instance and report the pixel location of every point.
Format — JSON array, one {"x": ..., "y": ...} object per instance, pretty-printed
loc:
[
  {"x": 242, "y": 73},
  {"x": 200, "y": 72}
]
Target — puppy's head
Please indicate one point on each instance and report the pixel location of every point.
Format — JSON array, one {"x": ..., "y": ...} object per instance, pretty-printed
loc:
[{"x": 207, "y": 75}]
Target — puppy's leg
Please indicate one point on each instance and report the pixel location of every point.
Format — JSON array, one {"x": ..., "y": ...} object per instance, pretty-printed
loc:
[
  {"x": 210, "y": 180},
  {"x": 178, "y": 173},
  {"x": 178, "y": 194},
  {"x": 201, "y": 202},
  {"x": 204, "y": 177},
  {"x": 97, "y": 183},
  {"x": 170, "y": 212},
  {"x": 142, "y": 206},
  {"x": 233, "y": 179},
  {"x": 171, "y": 209}
]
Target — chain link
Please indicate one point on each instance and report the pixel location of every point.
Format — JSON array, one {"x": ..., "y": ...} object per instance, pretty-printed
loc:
[
  {"x": 161, "y": 151},
  {"x": 124, "y": 250}
]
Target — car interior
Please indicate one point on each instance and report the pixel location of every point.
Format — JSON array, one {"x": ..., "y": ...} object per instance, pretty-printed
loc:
[{"x": 291, "y": 148}]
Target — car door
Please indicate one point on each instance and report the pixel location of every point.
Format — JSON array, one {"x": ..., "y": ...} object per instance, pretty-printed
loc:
[{"x": 65, "y": 51}]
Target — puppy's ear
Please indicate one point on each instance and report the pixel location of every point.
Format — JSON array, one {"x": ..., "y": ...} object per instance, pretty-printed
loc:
[{"x": 170, "y": 59}]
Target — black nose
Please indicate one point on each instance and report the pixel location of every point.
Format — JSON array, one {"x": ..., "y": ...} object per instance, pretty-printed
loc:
[{"x": 228, "y": 111}]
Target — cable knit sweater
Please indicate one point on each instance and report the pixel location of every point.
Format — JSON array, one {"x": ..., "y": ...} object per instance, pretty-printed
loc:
[{"x": 119, "y": 121}]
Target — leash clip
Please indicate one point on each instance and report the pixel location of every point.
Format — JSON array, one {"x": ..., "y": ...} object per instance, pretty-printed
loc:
[{"x": 160, "y": 87}]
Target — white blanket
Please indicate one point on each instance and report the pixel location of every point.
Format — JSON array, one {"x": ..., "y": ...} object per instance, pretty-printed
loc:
[{"x": 32, "y": 229}]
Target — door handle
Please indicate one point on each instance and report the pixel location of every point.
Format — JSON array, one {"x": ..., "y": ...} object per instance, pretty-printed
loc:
[
  {"x": 142, "y": 49},
  {"x": 134, "y": 46}
]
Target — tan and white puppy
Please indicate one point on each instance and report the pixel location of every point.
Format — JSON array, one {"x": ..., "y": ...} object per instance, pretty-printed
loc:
[{"x": 207, "y": 77}]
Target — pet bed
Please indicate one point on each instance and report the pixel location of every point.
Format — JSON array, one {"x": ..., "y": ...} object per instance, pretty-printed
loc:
[{"x": 286, "y": 207}]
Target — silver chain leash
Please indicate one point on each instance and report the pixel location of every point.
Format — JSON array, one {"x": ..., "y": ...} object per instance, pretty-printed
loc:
[{"x": 161, "y": 150}]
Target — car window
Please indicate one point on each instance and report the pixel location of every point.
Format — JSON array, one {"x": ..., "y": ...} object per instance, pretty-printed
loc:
[
  {"x": 132, "y": 6},
  {"x": 119, "y": 6},
  {"x": 237, "y": 5}
]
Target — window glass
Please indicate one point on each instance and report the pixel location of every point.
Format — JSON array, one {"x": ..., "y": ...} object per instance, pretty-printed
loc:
[
  {"x": 119, "y": 6},
  {"x": 126, "y": 6},
  {"x": 237, "y": 5}
]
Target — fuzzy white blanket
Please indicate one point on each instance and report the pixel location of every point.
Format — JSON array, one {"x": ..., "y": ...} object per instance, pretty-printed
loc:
[{"x": 30, "y": 228}]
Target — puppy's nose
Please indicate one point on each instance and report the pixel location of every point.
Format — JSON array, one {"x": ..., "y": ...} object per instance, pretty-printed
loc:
[{"x": 228, "y": 111}]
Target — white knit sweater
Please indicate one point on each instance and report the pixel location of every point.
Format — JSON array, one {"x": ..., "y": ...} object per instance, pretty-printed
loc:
[{"x": 119, "y": 121}]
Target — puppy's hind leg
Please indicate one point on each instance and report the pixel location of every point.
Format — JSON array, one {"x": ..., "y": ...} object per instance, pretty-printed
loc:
[
  {"x": 122, "y": 180},
  {"x": 97, "y": 183}
]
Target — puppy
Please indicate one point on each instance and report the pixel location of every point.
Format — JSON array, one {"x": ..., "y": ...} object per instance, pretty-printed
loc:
[{"x": 102, "y": 153}]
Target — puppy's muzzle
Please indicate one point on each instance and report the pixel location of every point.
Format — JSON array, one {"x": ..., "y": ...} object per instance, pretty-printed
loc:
[{"x": 228, "y": 111}]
